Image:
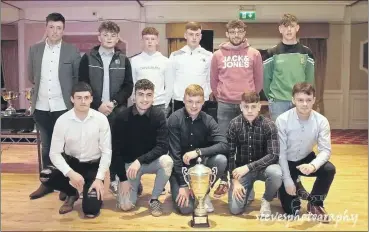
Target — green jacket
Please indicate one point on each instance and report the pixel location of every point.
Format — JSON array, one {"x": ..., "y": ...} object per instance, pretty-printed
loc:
[{"x": 284, "y": 66}]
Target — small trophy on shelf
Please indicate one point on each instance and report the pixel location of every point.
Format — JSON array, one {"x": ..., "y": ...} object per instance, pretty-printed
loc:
[
  {"x": 29, "y": 93},
  {"x": 9, "y": 96}
]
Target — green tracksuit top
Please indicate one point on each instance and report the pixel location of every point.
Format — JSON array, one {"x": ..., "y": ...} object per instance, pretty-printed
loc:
[{"x": 284, "y": 66}]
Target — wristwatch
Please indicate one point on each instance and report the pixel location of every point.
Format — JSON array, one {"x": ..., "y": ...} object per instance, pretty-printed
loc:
[
  {"x": 198, "y": 151},
  {"x": 115, "y": 103}
]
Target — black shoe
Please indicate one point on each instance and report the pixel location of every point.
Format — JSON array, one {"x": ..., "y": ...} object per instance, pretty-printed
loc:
[
  {"x": 62, "y": 196},
  {"x": 40, "y": 192}
]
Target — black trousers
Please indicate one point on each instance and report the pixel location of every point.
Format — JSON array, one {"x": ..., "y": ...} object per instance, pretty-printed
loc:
[
  {"x": 45, "y": 121},
  {"x": 324, "y": 178},
  {"x": 52, "y": 177}
]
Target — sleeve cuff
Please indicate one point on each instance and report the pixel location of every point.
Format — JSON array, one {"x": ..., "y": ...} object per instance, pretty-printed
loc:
[
  {"x": 316, "y": 164},
  {"x": 100, "y": 175},
  {"x": 288, "y": 182},
  {"x": 66, "y": 170},
  {"x": 122, "y": 177},
  {"x": 251, "y": 167}
]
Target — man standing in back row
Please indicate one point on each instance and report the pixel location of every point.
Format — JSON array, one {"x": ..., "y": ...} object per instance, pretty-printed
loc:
[
  {"x": 150, "y": 64},
  {"x": 235, "y": 68},
  {"x": 53, "y": 69},
  {"x": 286, "y": 64},
  {"x": 190, "y": 65},
  {"x": 109, "y": 73}
]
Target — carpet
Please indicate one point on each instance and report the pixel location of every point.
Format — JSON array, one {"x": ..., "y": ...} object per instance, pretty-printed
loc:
[{"x": 349, "y": 137}]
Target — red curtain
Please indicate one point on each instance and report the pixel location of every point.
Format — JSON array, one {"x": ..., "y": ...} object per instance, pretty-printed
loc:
[{"x": 9, "y": 57}]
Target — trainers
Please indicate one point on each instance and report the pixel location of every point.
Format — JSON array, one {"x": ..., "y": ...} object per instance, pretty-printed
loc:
[
  {"x": 265, "y": 210},
  {"x": 221, "y": 190},
  {"x": 114, "y": 187},
  {"x": 208, "y": 205},
  {"x": 155, "y": 207}
]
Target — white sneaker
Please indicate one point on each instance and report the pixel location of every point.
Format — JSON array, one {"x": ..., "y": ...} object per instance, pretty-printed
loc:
[
  {"x": 208, "y": 205},
  {"x": 265, "y": 210}
]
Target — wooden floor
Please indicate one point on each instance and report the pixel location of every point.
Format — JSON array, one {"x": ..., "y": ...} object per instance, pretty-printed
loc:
[{"x": 347, "y": 201}]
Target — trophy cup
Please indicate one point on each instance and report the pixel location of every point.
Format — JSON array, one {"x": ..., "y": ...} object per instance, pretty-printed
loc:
[
  {"x": 29, "y": 93},
  {"x": 8, "y": 96},
  {"x": 199, "y": 178}
]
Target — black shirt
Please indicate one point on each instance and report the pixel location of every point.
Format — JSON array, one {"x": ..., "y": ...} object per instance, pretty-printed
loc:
[
  {"x": 187, "y": 135},
  {"x": 142, "y": 137}
]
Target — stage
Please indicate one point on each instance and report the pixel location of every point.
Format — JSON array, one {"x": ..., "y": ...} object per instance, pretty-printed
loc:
[{"x": 347, "y": 201}]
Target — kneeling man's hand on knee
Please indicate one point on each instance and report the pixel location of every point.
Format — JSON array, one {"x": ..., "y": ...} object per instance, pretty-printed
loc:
[
  {"x": 240, "y": 172},
  {"x": 183, "y": 198},
  {"x": 98, "y": 185},
  {"x": 239, "y": 191},
  {"x": 133, "y": 169},
  {"x": 76, "y": 180},
  {"x": 306, "y": 169},
  {"x": 125, "y": 188},
  {"x": 291, "y": 190}
]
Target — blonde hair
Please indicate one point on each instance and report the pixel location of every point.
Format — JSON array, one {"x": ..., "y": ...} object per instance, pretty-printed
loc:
[
  {"x": 194, "y": 90},
  {"x": 193, "y": 26}
]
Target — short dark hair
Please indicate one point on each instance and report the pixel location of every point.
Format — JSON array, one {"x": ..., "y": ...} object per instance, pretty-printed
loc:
[
  {"x": 144, "y": 84},
  {"x": 150, "y": 31},
  {"x": 81, "y": 87},
  {"x": 288, "y": 19},
  {"x": 250, "y": 97},
  {"x": 303, "y": 87},
  {"x": 55, "y": 17},
  {"x": 109, "y": 26},
  {"x": 233, "y": 24}
]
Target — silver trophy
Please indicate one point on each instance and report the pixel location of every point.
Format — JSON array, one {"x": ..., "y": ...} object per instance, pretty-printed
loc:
[{"x": 199, "y": 178}]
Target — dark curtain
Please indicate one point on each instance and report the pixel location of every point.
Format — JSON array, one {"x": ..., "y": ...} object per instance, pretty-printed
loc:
[{"x": 319, "y": 49}]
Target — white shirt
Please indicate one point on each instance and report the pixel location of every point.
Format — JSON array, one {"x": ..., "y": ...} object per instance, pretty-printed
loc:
[
  {"x": 50, "y": 96},
  {"x": 154, "y": 68},
  {"x": 106, "y": 56},
  {"x": 298, "y": 137},
  {"x": 85, "y": 140},
  {"x": 190, "y": 67}
]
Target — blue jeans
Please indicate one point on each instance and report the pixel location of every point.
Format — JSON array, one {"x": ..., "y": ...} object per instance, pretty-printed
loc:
[
  {"x": 162, "y": 167},
  {"x": 225, "y": 113},
  {"x": 219, "y": 161},
  {"x": 272, "y": 176},
  {"x": 278, "y": 107}
]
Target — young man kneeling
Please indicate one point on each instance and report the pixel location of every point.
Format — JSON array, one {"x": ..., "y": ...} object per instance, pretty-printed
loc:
[
  {"x": 193, "y": 134},
  {"x": 81, "y": 152},
  {"x": 140, "y": 139},
  {"x": 254, "y": 150},
  {"x": 300, "y": 129}
]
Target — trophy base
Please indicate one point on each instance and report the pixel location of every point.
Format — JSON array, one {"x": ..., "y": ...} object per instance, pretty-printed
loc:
[{"x": 200, "y": 221}]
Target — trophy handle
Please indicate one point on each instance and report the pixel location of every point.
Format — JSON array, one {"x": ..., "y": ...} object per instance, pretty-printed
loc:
[
  {"x": 185, "y": 175},
  {"x": 214, "y": 175}
]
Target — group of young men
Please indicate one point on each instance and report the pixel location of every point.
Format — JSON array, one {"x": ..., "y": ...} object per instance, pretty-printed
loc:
[{"x": 81, "y": 108}]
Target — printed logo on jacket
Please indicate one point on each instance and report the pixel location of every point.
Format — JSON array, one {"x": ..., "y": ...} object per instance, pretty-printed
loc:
[{"x": 236, "y": 61}]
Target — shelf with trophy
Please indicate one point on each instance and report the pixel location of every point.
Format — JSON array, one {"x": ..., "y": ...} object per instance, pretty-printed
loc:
[{"x": 17, "y": 125}]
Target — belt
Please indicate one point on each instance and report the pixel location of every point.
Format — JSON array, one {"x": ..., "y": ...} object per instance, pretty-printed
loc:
[{"x": 74, "y": 159}]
